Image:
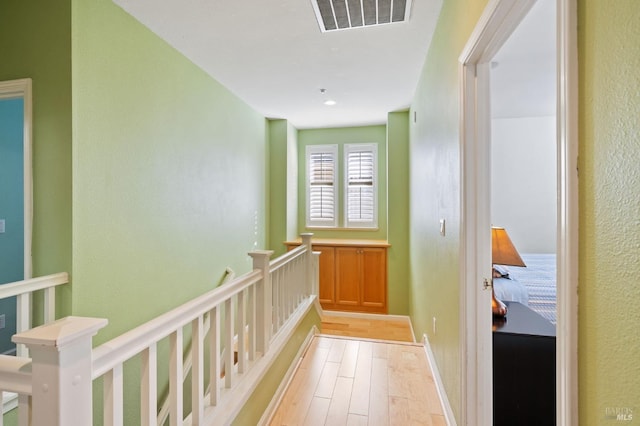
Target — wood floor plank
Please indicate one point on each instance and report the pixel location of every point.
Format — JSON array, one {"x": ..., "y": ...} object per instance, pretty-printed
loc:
[
  {"x": 380, "y": 328},
  {"x": 398, "y": 410},
  {"x": 362, "y": 380},
  {"x": 311, "y": 366},
  {"x": 380, "y": 350},
  {"x": 327, "y": 381},
  {"x": 357, "y": 420},
  {"x": 317, "y": 414},
  {"x": 337, "y": 350},
  {"x": 339, "y": 407},
  {"x": 379, "y": 392},
  {"x": 349, "y": 359}
]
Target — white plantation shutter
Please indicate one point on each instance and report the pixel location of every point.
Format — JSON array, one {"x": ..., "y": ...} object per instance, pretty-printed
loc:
[
  {"x": 321, "y": 185},
  {"x": 361, "y": 188}
]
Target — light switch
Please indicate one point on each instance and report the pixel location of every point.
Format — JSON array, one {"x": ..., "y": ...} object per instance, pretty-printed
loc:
[
  {"x": 1, "y": 226},
  {"x": 442, "y": 227}
]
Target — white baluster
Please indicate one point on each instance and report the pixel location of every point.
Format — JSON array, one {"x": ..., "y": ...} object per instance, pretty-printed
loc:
[
  {"x": 214, "y": 353},
  {"x": 240, "y": 327},
  {"x": 228, "y": 343},
  {"x": 25, "y": 406},
  {"x": 263, "y": 299},
  {"x": 197, "y": 371},
  {"x": 49, "y": 304},
  {"x": 175, "y": 378},
  {"x": 113, "y": 398},
  {"x": 251, "y": 321},
  {"x": 149, "y": 386}
]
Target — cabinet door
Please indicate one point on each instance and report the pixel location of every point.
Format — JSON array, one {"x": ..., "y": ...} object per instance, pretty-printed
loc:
[
  {"x": 373, "y": 285},
  {"x": 347, "y": 277},
  {"x": 327, "y": 295}
]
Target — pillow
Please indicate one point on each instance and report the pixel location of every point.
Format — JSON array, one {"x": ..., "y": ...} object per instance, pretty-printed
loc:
[{"x": 500, "y": 271}]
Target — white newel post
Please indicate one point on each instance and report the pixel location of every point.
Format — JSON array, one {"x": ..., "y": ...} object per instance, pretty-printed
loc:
[
  {"x": 264, "y": 306},
  {"x": 306, "y": 241},
  {"x": 61, "y": 354}
]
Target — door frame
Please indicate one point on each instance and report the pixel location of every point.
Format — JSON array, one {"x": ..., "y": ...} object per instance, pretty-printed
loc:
[
  {"x": 496, "y": 24},
  {"x": 14, "y": 89}
]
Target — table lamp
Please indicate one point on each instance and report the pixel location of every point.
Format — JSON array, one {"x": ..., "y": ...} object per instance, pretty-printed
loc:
[{"x": 503, "y": 252}]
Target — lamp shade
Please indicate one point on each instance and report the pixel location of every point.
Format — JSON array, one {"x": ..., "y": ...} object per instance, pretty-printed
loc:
[{"x": 503, "y": 251}]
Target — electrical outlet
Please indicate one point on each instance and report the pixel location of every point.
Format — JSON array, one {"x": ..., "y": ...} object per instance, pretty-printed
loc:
[
  {"x": 434, "y": 326},
  {"x": 1, "y": 226},
  {"x": 2, "y": 322}
]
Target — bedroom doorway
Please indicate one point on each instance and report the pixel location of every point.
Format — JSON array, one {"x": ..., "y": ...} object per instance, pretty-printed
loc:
[
  {"x": 15, "y": 200},
  {"x": 523, "y": 194},
  {"x": 496, "y": 25}
]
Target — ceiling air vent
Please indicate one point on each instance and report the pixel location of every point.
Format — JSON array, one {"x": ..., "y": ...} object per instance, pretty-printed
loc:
[{"x": 346, "y": 14}]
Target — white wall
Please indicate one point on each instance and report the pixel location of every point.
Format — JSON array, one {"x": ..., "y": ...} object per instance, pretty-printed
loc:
[{"x": 523, "y": 181}]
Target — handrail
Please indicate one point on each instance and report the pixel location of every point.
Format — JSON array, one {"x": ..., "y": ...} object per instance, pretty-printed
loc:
[
  {"x": 122, "y": 348},
  {"x": 16, "y": 374},
  {"x": 252, "y": 316},
  {"x": 33, "y": 284},
  {"x": 277, "y": 263}
]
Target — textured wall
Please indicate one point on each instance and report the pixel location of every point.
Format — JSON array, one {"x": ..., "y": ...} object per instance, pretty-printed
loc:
[
  {"x": 169, "y": 173},
  {"x": 609, "y": 342},
  {"x": 435, "y": 193},
  {"x": 398, "y": 212}
]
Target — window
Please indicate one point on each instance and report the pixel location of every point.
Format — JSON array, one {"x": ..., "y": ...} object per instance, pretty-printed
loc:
[
  {"x": 358, "y": 193},
  {"x": 360, "y": 185},
  {"x": 321, "y": 185}
]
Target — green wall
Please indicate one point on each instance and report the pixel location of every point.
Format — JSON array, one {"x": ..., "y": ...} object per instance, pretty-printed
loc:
[
  {"x": 435, "y": 194},
  {"x": 169, "y": 176},
  {"x": 283, "y": 184},
  {"x": 169, "y": 170},
  {"x": 35, "y": 43},
  {"x": 398, "y": 212},
  {"x": 609, "y": 154}
]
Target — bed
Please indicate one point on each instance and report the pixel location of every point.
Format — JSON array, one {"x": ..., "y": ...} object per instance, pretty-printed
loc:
[{"x": 533, "y": 286}]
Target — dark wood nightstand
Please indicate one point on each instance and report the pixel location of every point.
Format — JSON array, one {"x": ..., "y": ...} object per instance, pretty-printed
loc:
[{"x": 524, "y": 368}]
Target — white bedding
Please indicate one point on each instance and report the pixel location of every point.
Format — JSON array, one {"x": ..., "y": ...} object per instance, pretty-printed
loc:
[{"x": 507, "y": 289}]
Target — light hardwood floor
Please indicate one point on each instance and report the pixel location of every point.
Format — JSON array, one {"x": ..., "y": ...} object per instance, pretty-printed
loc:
[
  {"x": 345, "y": 381},
  {"x": 368, "y": 327}
]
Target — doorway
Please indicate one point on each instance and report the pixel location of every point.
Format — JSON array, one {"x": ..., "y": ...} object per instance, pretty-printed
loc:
[
  {"x": 496, "y": 25},
  {"x": 15, "y": 199}
]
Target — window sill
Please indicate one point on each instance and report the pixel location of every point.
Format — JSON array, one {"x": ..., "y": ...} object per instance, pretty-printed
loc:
[{"x": 331, "y": 228}]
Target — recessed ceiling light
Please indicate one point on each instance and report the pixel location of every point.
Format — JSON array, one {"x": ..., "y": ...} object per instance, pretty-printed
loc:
[{"x": 329, "y": 102}]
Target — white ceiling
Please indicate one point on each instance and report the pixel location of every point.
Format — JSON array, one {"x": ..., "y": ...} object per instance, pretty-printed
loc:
[
  {"x": 523, "y": 75},
  {"x": 272, "y": 54}
]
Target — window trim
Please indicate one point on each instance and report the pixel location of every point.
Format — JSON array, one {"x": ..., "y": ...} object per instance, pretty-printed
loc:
[
  {"x": 360, "y": 147},
  {"x": 312, "y": 149}
]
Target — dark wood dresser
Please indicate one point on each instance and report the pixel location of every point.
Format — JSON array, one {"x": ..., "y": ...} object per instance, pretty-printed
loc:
[{"x": 524, "y": 368}]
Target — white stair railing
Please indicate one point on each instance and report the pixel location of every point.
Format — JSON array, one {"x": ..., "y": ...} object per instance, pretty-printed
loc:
[
  {"x": 23, "y": 292},
  {"x": 245, "y": 306}
]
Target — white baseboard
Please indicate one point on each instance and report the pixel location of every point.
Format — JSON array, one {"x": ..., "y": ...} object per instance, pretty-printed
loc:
[
  {"x": 444, "y": 400},
  {"x": 286, "y": 380}
]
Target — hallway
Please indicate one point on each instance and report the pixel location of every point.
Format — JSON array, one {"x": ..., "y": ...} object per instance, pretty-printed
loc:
[{"x": 347, "y": 381}]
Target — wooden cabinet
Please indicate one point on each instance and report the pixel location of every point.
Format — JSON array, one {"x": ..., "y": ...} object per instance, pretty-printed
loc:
[{"x": 353, "y": 274}]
